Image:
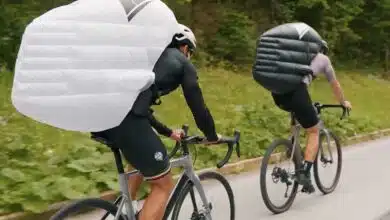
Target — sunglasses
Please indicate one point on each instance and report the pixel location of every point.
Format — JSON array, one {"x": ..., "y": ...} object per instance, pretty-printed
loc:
[{"x": 190, "y": 53}]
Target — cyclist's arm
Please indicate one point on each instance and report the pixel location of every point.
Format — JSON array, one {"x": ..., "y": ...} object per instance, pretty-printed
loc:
[
  {"x": 160, "y": 127},
  {"x": 323, "y": 64},
  {"x": 195, "y": 101}
]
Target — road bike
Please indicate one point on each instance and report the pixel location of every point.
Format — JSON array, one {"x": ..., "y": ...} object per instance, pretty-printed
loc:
[
  {"x": 188, "y": 183},
  {"x": 291, "y": 152}
]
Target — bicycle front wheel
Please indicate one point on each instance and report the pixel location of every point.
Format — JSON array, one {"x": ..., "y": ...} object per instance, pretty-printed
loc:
[
  {"x": 216, "y": 187},
  {"x": 329, "y": 155},
  {"x": 88, "y": 209}
]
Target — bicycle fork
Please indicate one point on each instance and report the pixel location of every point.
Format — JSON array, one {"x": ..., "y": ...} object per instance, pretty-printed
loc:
[
  {"x": 323, "y": 158},
  {"x": 206, "y": 205}
]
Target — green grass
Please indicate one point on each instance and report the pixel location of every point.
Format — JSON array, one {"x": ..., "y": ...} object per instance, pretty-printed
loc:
[
  {"x": 228, "y": 94},
  {"x": 40, "y": 165}
]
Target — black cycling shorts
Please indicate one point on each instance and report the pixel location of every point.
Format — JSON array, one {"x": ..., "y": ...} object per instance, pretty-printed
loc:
[
  {"x": 141, "y": 146},
  {"x": 300, "y": 104}
]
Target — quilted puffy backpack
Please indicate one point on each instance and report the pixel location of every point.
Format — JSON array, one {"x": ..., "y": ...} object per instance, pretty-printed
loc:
[
  {"x": 283, "y": 56},
  {"x": 81, "y": 66}
]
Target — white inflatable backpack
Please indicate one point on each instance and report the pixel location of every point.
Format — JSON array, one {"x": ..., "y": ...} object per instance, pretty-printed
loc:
[{"x": 81, "y": 66}]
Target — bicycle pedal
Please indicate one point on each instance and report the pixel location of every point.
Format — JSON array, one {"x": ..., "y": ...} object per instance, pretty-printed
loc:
[{"x": 308, "y": 189}]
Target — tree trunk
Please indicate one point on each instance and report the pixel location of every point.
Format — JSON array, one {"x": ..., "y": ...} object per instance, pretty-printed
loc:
[
  {"x": 387, "y": 58},
  {"x": 272, "y": 14},
  {"x": 193, "y": 13}
]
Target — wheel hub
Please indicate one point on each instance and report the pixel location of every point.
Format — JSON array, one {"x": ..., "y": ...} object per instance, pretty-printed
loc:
[{"x": 325, "y": 161}]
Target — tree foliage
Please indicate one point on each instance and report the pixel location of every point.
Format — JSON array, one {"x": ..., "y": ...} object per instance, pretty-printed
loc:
[{"x": 227, "y": 29}]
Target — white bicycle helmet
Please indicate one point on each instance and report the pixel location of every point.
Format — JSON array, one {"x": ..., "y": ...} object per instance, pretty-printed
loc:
[{"x": 185, "y": 35}]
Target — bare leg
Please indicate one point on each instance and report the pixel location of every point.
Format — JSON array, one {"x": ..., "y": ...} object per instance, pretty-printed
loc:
[
  {"x": 135, "y": 182},
  {"x": 310, "y": 155},
  {"x": 312, "y": 143},
  {"x": 154, "y": 206}
]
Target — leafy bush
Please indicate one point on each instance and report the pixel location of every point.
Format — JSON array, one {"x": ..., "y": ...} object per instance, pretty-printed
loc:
[{"x": 37, "y": 170}]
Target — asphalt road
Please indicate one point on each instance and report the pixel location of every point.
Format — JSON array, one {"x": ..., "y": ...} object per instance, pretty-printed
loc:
[{"x": 363, "y": 192}]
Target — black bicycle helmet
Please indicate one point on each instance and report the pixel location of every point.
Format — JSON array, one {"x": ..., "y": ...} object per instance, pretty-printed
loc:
[{"x": 324, "y": 47}]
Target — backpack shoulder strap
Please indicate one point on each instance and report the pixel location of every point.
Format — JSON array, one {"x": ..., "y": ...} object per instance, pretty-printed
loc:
[{"x": 156, "y": 95}]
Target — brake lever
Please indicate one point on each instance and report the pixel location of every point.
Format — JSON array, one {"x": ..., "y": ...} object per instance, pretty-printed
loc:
[
  {"x": 237, "y": 136},
  {"x": 238, "y": 151},
  {"x": 185, "y": 128},
  {"x": 343, "y": 115},
  {"x": 345, "y": 112}
]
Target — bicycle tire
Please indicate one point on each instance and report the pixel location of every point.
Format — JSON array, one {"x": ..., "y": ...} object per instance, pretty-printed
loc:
[
  {"x": 84, "y": 204},
  {"x": 317, "y": 179},
  {"x": 263, "y": 171},
  {"x": 206, "y": 176}
]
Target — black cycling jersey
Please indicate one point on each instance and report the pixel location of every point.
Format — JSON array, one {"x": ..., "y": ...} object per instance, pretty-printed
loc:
[
  {"x": 160, "y": 127},
  {"x": 172, "y": 70}
]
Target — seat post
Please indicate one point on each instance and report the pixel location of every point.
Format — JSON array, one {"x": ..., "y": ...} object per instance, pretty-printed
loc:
[
  {"x": 102, "y": 138},
  {"x": 292, "y": 119},
  {"x": 118, "y": 160}
]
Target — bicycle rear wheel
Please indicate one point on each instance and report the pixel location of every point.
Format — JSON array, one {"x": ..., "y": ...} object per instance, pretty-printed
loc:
[
  {"x": 82, "y": 209},
  {"x": 282, "y": 173},
  {"x": 187, "y": 196},
  {"x": 326, "y": 155}
]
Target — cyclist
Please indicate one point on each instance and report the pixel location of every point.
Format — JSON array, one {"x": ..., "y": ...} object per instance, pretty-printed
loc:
[
  {"x": 300, "y": 104},
  {"x": 140, "y": 145}
]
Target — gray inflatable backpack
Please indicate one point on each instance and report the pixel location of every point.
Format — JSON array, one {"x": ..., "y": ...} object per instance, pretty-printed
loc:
[{"x": 283, "y": 56}]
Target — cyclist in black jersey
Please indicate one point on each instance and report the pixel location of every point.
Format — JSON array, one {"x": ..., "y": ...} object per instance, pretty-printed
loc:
[{"x": 140, "y": 145}]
